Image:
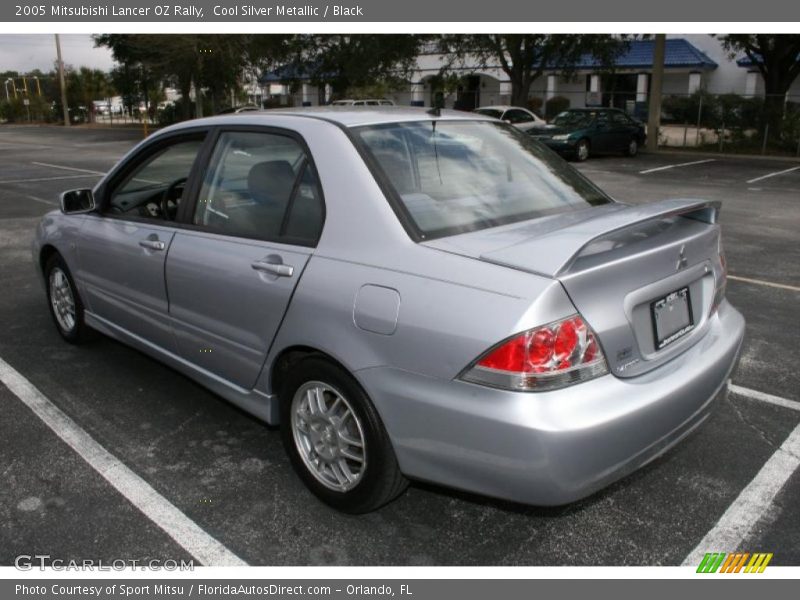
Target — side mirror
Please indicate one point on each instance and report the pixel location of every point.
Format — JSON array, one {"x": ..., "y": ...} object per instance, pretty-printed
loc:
[{"x": 77, "y": 202}]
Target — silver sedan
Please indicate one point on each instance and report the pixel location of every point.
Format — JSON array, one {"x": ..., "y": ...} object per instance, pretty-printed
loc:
[{"x": 411, "y": 294}]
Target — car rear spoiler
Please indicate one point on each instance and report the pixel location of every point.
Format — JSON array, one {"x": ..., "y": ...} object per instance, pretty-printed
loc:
[{"x": 552, "y": 253}]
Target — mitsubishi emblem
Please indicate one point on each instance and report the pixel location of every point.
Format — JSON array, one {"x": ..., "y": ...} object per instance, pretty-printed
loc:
[{"x": 682, "y": 261}]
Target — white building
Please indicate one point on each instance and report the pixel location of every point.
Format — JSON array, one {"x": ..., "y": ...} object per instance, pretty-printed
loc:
[{"x": 692, "y": 62}]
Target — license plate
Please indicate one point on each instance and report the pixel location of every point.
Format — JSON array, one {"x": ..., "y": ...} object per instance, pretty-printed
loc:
[{"x": 672, "y": 317}]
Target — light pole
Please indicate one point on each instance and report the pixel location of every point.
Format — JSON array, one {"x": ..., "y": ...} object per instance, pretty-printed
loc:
[
  {"x": 61, "y": 81},
  {"x": 654, "y": 106}
]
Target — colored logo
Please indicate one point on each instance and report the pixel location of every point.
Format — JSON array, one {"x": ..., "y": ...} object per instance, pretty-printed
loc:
[{"x": 721, "y": 562}]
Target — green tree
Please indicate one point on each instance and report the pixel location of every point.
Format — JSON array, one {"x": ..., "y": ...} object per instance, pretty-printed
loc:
[
  {"x": 215, "y": 63},
  {"x": 525, "y": 57},
  {"x": 777, "y": 58},
  {"x": 352, "y": 61},
  {"x": 86, "y": 85}
]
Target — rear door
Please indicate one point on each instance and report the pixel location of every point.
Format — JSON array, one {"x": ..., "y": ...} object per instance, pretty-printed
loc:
[
  {"x": 232, "y": 271},
  {"x": 603, "y": 137},
  {"x": 622, "y": 130},
  {"x": 124, "y": 245}
]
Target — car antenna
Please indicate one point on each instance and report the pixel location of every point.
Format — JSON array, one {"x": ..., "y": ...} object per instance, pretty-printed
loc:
[{"x": 436, "y": 111}]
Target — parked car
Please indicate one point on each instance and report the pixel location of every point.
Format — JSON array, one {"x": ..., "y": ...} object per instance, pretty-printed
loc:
[
  {"x": 411, "y": 294},
  {"x": 581, "y": 132},
  {"x": 238, "y": 109},
  {"x": 521, "y": 118},
  {"x": 361, "y": 102}
]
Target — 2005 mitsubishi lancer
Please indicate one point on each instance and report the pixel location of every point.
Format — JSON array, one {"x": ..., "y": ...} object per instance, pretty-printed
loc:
[{"x": 410, "y": 294}]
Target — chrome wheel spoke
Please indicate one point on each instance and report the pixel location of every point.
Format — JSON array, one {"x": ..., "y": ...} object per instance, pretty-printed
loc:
[
  {"x": 349, "y": 454},
  {"x": 349, "y": 440},
  {"x": 332, "y": 409},
  {"x": 339, "y": 473}
]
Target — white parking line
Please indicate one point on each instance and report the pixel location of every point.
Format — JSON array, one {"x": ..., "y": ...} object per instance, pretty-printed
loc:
[
  {"x": 65, "y": 168},
  {"x": 782, "y": 286},
  {"x": 42, "y": 200},
  {"x": 138, "y": 492},
  {"x": 686, "y": 164},
  {"x": 752, "y": 503},
  {"x": 763, "y": 397},
  {"x": 34, "y": 179},
  {"x": 775, "y": 174}
]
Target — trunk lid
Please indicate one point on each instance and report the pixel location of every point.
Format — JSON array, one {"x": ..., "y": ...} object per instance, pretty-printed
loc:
[{"x": 614, "y": 262}]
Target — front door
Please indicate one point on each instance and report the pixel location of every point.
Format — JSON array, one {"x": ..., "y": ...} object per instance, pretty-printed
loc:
[
  {"x": 123, "y": 247},
  {"x": 231, "y": 274}
]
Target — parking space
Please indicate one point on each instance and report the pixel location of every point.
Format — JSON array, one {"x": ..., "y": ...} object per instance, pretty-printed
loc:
[
  {"x": 756, "y": 173},
  {"x": 227, "y": 474}
]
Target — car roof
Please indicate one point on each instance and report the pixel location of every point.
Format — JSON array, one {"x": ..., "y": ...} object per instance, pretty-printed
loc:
[
  {"x": 346, "y": 116},
  {"x": 501, "y": 107},
  {"x": 594, "y": 109}
]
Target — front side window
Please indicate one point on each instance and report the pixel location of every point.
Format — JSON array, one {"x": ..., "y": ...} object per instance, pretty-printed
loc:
[
  {"x": 457, "y": 176},
  {"x": 518, "y": 116},
  {"x": 261, "y": 185},
  {"x": 154, "y": 189}
]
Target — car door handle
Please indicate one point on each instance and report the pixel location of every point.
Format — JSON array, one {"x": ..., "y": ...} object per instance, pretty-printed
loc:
[
  {"x": 278, "y": 269},
  {"x": 152, "y": 244}
]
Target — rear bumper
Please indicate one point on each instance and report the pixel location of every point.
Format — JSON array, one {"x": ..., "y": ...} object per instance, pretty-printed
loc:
[{"x": 555, "y": 447}]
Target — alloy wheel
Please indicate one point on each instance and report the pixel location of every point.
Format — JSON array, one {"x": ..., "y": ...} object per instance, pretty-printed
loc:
[
  {"x": 328, "y": 435},
  {"x": 583, "y": 150},
  {"x": 62, "y": 299}
]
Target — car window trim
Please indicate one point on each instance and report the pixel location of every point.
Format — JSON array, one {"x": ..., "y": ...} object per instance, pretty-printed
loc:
[
  {"x": 287, "y": 214},
  {"x": 216, "y": 133},
  {"x": 121, "y": 172}
]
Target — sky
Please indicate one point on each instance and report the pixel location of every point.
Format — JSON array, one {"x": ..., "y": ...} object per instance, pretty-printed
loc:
[{"x": 26, "y": 52}]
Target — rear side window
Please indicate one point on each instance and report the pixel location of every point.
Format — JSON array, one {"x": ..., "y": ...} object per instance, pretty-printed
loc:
[
  {"x": 618, "y": 118},
  {"x": 261, "y": 185},
  {"x": 456, "y": 176}
]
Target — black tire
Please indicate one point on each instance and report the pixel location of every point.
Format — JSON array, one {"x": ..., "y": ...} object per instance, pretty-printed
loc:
[
  {"x": 582, "y": 150},
  {"x": 381, "y": 480},
  {"x": 79, "y": 332},
  {"x": 633, "y": 148}
]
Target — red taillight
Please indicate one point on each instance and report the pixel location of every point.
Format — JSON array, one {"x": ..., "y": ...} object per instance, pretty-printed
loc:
[{"x": 546, "y": 357}]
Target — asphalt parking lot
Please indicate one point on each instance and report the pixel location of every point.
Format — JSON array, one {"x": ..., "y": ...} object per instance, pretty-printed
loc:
[{"x": 227, "y": 472}]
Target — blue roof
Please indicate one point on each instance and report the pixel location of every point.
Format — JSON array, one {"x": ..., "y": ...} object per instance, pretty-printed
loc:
[
  {"x": 294, "y": 71},
  {"x": 678, "y": 53},
  {"x": 282, "y": 74}
]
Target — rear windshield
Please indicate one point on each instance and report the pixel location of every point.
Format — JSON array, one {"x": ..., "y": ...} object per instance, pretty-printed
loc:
[{"x": 452, "y": 177}]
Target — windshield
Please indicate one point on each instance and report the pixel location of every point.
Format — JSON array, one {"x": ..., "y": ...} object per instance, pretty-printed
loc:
[
  {"x": 490, "y": 112},
  {"x": 458, "y": 176},
  {"x": 575, "y": 118}
]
